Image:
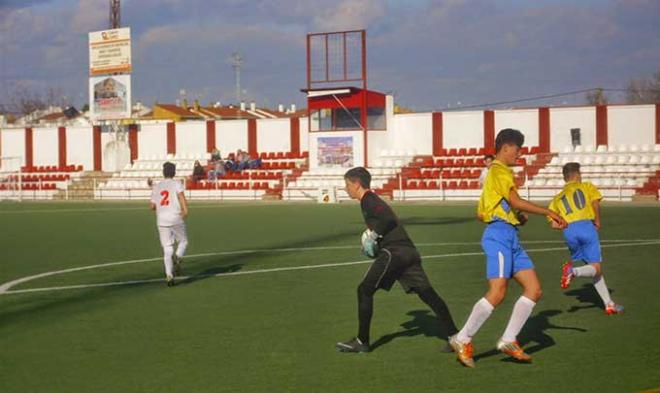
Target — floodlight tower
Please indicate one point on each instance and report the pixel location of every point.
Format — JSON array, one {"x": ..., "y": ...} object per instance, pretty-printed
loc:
[
  {"x": 115, "y": 16},
  {"x": 236, "y": 62}
]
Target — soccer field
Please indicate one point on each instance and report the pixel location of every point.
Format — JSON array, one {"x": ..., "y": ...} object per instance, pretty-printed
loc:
[{"x": 270, "y": 288}]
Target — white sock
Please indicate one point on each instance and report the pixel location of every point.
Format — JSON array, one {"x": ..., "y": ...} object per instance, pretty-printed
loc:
[
  {"x": 602, "y": 290},
  {"x": 168, "y": 251},
  {"x": 521, "y": 312},
  {"x": 584, "y": 271},
  {"x": 181, "y": 248},
  {"x": 480, "y": 313}
]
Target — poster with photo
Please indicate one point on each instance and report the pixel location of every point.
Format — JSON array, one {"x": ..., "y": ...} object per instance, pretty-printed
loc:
[
  {"x": 336, "y": 151},
  {"x": 110, "y": 97}
]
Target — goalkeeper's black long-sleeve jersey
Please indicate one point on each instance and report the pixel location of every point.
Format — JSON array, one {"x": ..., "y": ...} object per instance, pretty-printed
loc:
[{"x": 380, "y": 218}]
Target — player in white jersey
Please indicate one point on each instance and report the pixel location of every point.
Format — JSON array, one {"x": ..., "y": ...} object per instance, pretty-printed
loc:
[{"x": 169, "y": 202}]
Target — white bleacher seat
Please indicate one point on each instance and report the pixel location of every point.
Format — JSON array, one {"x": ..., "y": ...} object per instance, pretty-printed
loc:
[
  {"x": 388, "y": 164},
  {"x": 579, "y": 149},
  {"x": 378, "y": 163},
  {"x": 384, "y": 153},
  {"x": 589, "y": 149},
  {"x": 634, "y": 148},
  {"x": 623, "y": 149},
  {"x": 586, "y": 160},
  {"x": 656, "y": 148},
  {"x": 567, "y": 149},
  {"x": 565, "y": 160},
  {"x": 622, "y": 159},
  {"x": 539, "y": 182},
  {"x": 411, "y": 153},
  {"x": 607, "y": 182},
  {"x": 656, "y": 159},
  {"x": 611, "y": 159},
  {"x": 398, "y": 163},
  {"x": 555, "y": 160},
  {"x": 552, "y": 183},
  {"x": 645, "y": 148},
  {"x": 631, "y": 183},
  {"x": 634, "y": 159},
  {"x": 599, "y": 159},
  {"x": 645, "y": 159},
  {"x": 619, "y": 182},
  {"x": 601, "y": 149}
]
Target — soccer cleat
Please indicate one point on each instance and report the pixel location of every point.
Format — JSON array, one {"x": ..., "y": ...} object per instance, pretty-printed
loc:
[
  {"x": 170, "y": 281},
  {"x": 352, "y": 345},
  {"x": 566, "y": 274},
  {"x": 613, "y": 308},
  {"x": 514, "y": 350},
  {"x": 178, "y": 271},
  {"x": 463, "y": 351}
]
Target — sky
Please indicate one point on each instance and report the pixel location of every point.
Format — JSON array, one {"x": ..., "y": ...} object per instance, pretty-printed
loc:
[{"x": 431, "y": 55}]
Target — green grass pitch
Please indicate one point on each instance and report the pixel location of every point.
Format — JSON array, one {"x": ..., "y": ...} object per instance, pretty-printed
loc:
[{"x": 225, "y": 329}]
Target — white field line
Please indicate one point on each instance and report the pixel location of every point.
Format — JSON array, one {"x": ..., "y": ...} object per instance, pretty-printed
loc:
[{"x": 4, "y": 289}]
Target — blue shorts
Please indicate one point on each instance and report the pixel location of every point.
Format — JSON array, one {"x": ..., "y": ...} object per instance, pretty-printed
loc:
[
  {"x": 583, "y": 241},
  {"x": 504, "y": 254}
]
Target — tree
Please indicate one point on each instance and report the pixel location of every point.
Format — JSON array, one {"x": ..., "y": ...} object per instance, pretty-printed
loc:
[
  {"x": 23, "y": 100},
  {"x": 596, "y": 97},
  {"x": 644, "y": 90}
]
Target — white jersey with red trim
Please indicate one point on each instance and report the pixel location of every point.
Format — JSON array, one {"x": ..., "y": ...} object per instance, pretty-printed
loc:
[{"x": 165, "y": 196}]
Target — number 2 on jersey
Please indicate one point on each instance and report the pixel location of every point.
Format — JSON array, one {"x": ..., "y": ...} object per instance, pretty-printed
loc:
[
  {"x": 578, "y": 199},
  {"x": 165, "y": 200}
]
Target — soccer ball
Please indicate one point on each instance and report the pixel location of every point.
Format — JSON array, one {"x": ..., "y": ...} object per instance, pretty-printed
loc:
[{"x": 369, "y": 243}]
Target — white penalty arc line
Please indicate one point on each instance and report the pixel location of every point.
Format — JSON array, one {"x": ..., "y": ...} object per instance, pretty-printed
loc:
[
  {"x": 4, "y": 291},
  {"x": 4, "y": 288}
]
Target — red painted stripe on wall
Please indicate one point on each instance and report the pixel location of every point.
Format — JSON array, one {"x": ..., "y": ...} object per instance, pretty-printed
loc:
[
  {"x": 61, "y": 144},
  {"x": 96, "y": 142},
  {"x": 133, "y": 141},
  {"x": 295, "y": 135},
  {"x": 437, "y": 126},
  {"x": 29, "y": 161},
  {"x": 252, "y": 137},
  {"x": 210, "y": 135},
  {"x": 489, "y": 129},
  {"x": 601, "y": 125},
  {"x": 544, "y": 129},
  {"x": 171, "y": 138}
]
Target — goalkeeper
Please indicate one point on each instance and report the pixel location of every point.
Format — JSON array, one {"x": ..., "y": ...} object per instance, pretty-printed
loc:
[{"x": 396, "y": 259}]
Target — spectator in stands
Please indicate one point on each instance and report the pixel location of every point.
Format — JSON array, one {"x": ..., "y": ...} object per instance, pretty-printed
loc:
[
  {"x": 198, "y": 172},
  {"x": 242, "y": 160},
  {"x": 215, "y": 154},
  {"x": 231, "y": 164},
  {"x": 488, "y": 160},
  {"x": 218, "y": 170}
]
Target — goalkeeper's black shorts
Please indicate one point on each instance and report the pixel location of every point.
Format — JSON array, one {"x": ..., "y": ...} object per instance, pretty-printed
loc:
[{"x": 402, "y": 264}]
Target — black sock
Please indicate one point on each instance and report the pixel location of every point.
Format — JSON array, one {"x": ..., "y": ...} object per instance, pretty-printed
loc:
[
  {"x": 365, "y": 310},
  {"x": 439, "y": 307}
]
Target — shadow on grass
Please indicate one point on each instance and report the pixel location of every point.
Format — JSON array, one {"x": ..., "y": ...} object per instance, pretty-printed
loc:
[
  {"x": 534, "y": 332},
  {"x": 586, "y": 295},
  {"x": 423, "y": 322}
]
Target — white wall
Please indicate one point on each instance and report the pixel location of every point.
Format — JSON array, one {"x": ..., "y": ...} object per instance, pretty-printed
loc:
[
  {"x": 304, "y": 134},
  {"x": 463, "y": 129},
  {"x": 358, "y": 146},
  {"x": 152, "y": 140},
  {"x": 627, "y": 125},
  {"x": 524, "y": 120},
  {"x": 274, "y": 135},
  {"x": 563, "y": 119},
  {"x": 13, "y": 143},
  {"x": 412, "y": 131},
  {"x": 80, "y": 147},
  {"x": 378, "y": 141},
  {"x": 46, "y": 146},
  {"x": 190, "y": 137},
  {"x": 231, "y": 135}
]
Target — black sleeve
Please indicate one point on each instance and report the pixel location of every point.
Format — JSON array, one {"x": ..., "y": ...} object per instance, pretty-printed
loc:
[{"x": 378, "y": 216}]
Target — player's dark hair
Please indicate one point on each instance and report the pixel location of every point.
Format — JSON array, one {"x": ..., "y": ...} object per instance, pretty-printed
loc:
[
  {"x": 509, "y": 136},
  {"x": 489, "y": 156},
  {"x": 570, "y": 169},
  {"x": 359, "y": 174},
  {"x": 169, "y": 169}
]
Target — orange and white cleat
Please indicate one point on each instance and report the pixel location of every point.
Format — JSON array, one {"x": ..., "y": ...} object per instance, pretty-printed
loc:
[
  {"x": 514, "y": 350},
  {"x": 566, "y": 274},
  {"x": 463, "y": 351},
  {"x": 613, "y": 308}
]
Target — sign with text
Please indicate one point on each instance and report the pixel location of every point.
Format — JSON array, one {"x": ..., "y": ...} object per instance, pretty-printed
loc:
[
  {"x": 110, "y": 51},
  {"x": 335, "y": 151},
  {"x": 110, "y": 97}
]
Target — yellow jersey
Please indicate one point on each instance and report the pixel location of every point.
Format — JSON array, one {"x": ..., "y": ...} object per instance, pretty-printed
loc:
[
  {"x": 494, "y": 201},
  {"x": 573, "y": 203}
]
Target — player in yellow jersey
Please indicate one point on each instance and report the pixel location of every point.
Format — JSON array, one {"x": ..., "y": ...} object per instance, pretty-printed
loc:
[
  {"x": 579, "y": 204},
  {"x": 501, "y": 208}
]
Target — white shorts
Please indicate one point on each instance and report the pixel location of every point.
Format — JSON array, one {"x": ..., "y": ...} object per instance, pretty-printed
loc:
[{"x": 168, "y": 235}]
